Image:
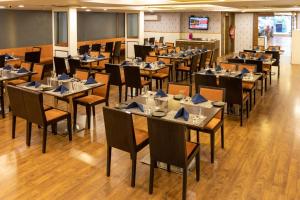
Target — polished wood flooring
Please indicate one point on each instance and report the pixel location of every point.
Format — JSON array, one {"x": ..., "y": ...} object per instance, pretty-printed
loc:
[{"x": 260, "y": 161}]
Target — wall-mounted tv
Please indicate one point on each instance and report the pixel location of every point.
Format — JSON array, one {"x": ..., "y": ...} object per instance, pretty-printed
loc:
[{"x": 198, "y": 23}]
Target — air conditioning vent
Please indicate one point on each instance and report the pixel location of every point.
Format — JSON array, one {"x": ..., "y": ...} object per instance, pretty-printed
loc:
[{"x": 152, "y": 18}]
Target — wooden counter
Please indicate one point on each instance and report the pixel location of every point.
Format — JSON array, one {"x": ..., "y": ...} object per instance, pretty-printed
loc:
[{"x": 210, "y": 44}]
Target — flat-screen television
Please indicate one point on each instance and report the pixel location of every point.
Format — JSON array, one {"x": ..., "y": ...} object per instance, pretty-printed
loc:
[{"x": 198, "y": 23}]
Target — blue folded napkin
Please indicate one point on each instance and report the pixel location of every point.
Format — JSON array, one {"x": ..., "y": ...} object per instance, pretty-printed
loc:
[
  {"x": 135, "y": 105},
  {"x": 22, "y": 70},
  {"x": 161, "y": 62},
  {"x": 90, "y": 80},
  {"x": 197, "y": 98},
  {"x": 209, "y": 72},
  {"x": 148, "y": 66},
  {"x": 62, "y": 89},
  {"x": 125, "y": 62},
  {"x": 161, "y": 93},
  {"x": 7, "y": 56},
  {"x": 101, "y": 56},
  {"x": 34, "y": 83},
  {"x": 273, "y": 49},
  {"x": 182, "y": 113},
  {"x": 7, "y": 67},
  {"x": 63, "y": 77},
  {"x": 260, "y": 59},
  {"x": 86, "y": 57},
  {"x": 218, "y": 68},
  {"x": 240, "y": 76},
  {"x": 245, "y": 71}
]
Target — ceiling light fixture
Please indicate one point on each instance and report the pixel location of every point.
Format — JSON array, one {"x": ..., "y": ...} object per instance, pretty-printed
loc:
[
  {"x": 105, "y": 9},
  {"x": 21, "y": 6},
  {"x": 88, "y": 10},
  {"x": 83, "y": 7},
  {"x": 2, "y": 7}
]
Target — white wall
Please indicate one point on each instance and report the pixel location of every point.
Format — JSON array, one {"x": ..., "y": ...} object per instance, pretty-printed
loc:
[
  {"x": 243, "y": 31},
  {"x": 298, "y": 20}
]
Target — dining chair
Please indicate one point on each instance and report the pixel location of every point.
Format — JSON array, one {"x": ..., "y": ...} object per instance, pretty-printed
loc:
[
  {"x": 259, "y": 69},
  {"x": 228, "y": 66},
  {"x": 96, "y": 47},
  {"x": 117, "y": 51},
  {"x": 167, "y": 144},
  {"x": 133, "y": 80},
  {"x": 236, "y": 60},
  {"x": 99, "y": 95},
  {"x": 259, "y": 47},
  {"x": 83, "y": 49},
  {"x": 39, "y": 70},
  {"x": 177, "y": 49},
  {"x": 21, "y": 80},
  {"x": 205, "y": 80},
  {"x": 250, "y": 51},
  {"x": 213, "y": 58},
  {"x": 146, "y": 41},
  {"x": 109, "y": 46},
  {"x": 235, "y": 94},
  {"x": 34, "y": 112},
  {"x": 179, "y": 88},
  {"x": 202, "y": 63},
  {"x": 249, "y": 87},
  {"x": 151, "y": 53},
  {"x": 162, "y": 52},
  {"x": 2, "y": 61},
  {"x": 158, "y": 44},
  {"x": 275, "y": 55},
  {"x": 170, "y": 44},
  {"x": 60, "y": 65},
  {"x": 273, "y": 48},
  {"x": 33, "y": 57},
  {"x": 161, "y": 40},
  {"x": 116, "y": 77},
  {"x": 217, "y": 122},
  {"x": 151, "y": 59},
  {"x": 124, "y": 137},
  {"x": 188, "y": 70},
  {"x": 74, "y": 64},
  {"x": 152, "y": 40},
  {"x": 161, "y": 75},
  {"x": 168, "y": 62}
]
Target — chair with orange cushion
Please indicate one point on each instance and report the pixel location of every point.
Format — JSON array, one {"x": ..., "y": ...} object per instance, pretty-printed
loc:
[
  {"x": 216, "y": 123},
  {"x": 228, "y": 66},
  {"x": 178, "y": 88},
  {"x": 35, "y": 112},
  {"x": 151, "y": 59},
  {"x": 168, "y": 62},
  {"x": 121, "y": 134},
  {"x": 188, "y": 70},
  {"x": 161, "y": 75},
  {"x": 27, "y": 66},
  {"x": 168, "y": 145},
  {"x": 99, "y": 95},
  {"x": 116, "y": 77},
  {"x": 169, "y": 44},
  {"x": 152, "y": 53},
  {"x": 133, "y": 80},
  {"x": 39, "y": 70}
]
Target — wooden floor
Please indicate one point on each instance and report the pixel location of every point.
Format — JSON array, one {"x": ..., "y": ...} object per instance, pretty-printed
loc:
[{"x": 260, "y": 161}]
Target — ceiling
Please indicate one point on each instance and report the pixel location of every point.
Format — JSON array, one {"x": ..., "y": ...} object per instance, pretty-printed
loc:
[{"x": 158, "y": 5}]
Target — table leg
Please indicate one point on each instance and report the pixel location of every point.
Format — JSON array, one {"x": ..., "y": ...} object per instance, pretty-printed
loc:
[{"x": 2, "y": 99}]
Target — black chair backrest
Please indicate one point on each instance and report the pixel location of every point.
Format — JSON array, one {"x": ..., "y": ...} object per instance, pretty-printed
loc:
[
  {"x": 74, "y": 64},
  {"x": 250, "y": 51},
  {"x": 117, "y": 49},
  {"x": 2, "y": 61},
  {"x": 212, "y": 58},
  {"x": 236, "y": 60},
  {"x": 202, "y": 62},
  {"x": 96, "y": 47},
  {"x": 115, "y": 74},
  {"x": 258, "y": 63},
  {"x": 167, "y": 142},
  {"x": 275, "y": 55},
  {"x": 60, "y": 65},
  {"x": 33, "y": 57},
  {"x": 152, "y": 40},
  {"x": 84, "y": 49},
  {"x": 234, "y": 89},
  {"x": 205, "y": 80},
  {"x": 161, "y": 40},
  {"x": 145, "y": 51},
  {"x": 109, "y": 46},
  {"x": 146, "y": 40},
  {"x": 137, "y": 51},
  {"x": 33, "y": 110},
  {"x": 132, "y": 76},
  {"x": 119, "y": 129},
  {"x": 194, "y": 62}
]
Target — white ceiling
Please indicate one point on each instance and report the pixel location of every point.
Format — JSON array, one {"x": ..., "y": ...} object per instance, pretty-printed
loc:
[{"x": 159, "y": 5}]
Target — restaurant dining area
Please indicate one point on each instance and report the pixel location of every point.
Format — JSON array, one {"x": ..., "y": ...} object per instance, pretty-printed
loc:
[{"x": 152, "y": 99}]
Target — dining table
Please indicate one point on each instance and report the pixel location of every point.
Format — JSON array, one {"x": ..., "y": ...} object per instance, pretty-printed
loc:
[
  {"x": 8, "y": 75},
  {"x": 74, "y": 87}
]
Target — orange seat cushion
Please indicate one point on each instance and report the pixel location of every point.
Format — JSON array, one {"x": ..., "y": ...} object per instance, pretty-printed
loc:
[
  {"x": 144, "y": 82},
  {"x": 160, "y": 75},
  {"x": 184, "y": 68},
  {"x": 190, "y": 146},
  {"x": 140, "y": 136},
  {"x": 248, "y": 86},
  {"x": 53, "y": 114},
  {"x": 213, "y": 123},
  {"x": 90, "y": 99}
]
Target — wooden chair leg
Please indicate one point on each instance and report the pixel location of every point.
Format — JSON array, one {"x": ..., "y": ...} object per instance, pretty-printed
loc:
[
  {"x": 28, "y": 133},
  {"x": 69, "y": 127},
  {"x": 151, "y": 176},
  {"x": 254, "y": 96},
  {"x": 222, "y": 136},
  {"x": 266, "y": 84},
  {"x": 54, "y": 128},
  {"x": 184, "y": 183},
  {"x": 13, "y": 133},
  {"x": 270, "y": 77},
  {"x": 88, "y": 116},
  {"x": 44, "y": 139},
  {"x": 126, "y": 91},
  {"x": 250, "y": 94},
  {"x": 247, "y": 108},
  {"x": 94, "y": 111},
  {"x": 2, "y": 100},
  {"x": 198, "y": 166},
  {"x": 108, "y": 161},
  {"x": 131, "y": 91},
  {"x": 168, "y": 167},
  {"x": 262, "y": 87},
  {"x": 75, "y": 115},
  {"x": 212, "y": 147},
  {"x": 156, "y": 83},
  {"x": 160, "y": 84},
  {"x": 133, "y": 172},
  {"x": 241, "y": 114},
  {"x": 120, "y": 93},
  {"x": 198, "y": 137}
]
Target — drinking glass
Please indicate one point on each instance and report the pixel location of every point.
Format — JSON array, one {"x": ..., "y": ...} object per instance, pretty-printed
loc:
[{"x": 201, "y": 116}]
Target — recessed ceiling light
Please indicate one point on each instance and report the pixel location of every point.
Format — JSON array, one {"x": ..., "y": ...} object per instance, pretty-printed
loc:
[
  {"x": 21, "y": 6},
  {"x": 88, "y": 10},
  {"x": 83, "y": 7},
  {"x": 221, "y": 0},
  {"x": 1, "y": 7},
  {"x": 105, "y": 9}
]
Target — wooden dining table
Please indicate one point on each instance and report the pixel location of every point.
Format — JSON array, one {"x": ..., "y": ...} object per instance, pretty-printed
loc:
[
  {"x": 5, "y": 76},
  {"x": 170, "y": 106}
]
